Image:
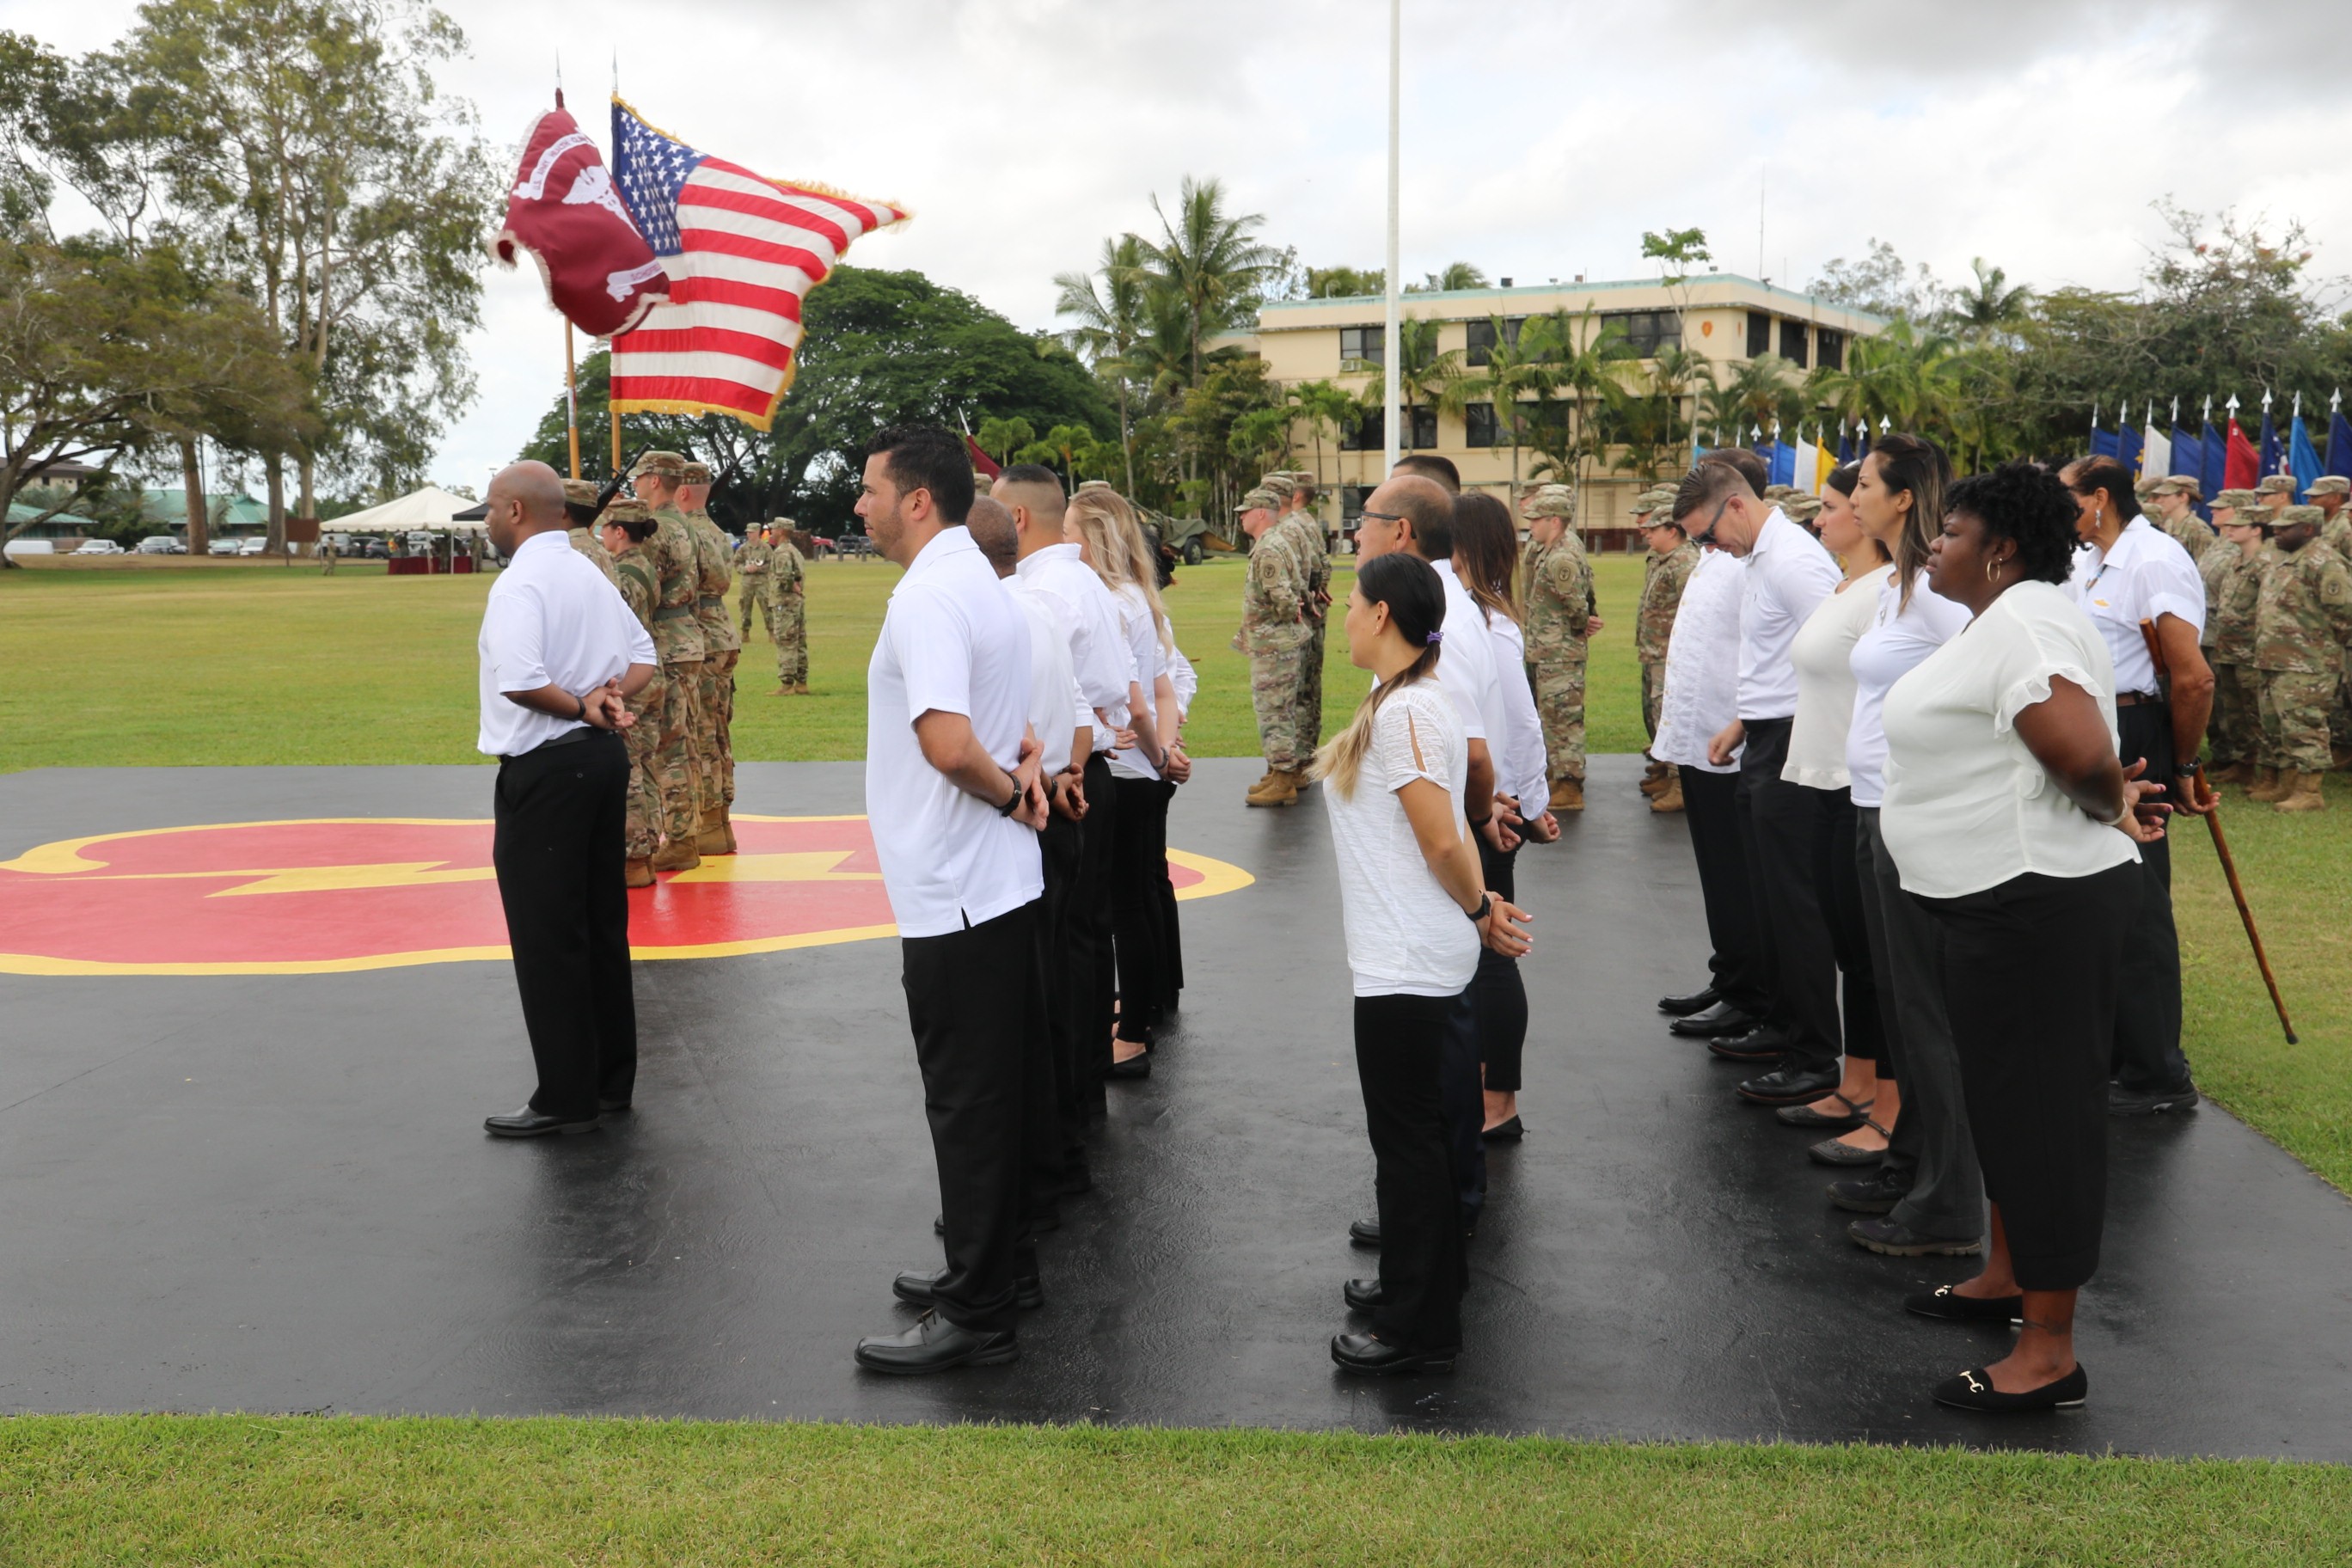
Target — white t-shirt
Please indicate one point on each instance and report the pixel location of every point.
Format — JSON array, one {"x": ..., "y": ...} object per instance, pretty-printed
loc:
[
  {"x": 2147, "y": 575},
  {"x": 1521, "y": 768},
  {"x": 1785, "y": 576},
  {"x": 1185, "y": 680},
  {"x": 1052, "y": 688},
  {"x": 1898, "y": 637},
  {"x": 1702, "y": 691},
  {"x": 1966, "y": 805},
  {"x": 1099, "y": 654},
  {"x": 551, "y": 618},
  {"x": 1465, "y": 664},
  {"x": 1405, "y": 934},
  {"x": 1143, "y": 635},
  {"x": 953, "y": 639},
  {"x": 1825, "y": 682}
]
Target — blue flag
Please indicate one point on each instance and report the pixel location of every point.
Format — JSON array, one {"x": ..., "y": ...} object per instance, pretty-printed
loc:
[
  {"x": 2270, "y": 447},
  {"x": 2339, "y": 446},
  {"x": 2216, "y": 459},
  {"x": 2301, "y": 458},
  {"x": 2127, "y": 450},
  {"x": 2103, "y": 442},
  {"x": 1784, "y": 463},
  {"x": 1845, "y": 446},
  {"x": 2188, "y": 460}
]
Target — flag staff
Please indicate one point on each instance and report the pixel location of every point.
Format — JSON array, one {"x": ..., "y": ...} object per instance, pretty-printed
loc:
[
  {"x": 571, "y": 398},
  {"x": 1392, "y": 345}
]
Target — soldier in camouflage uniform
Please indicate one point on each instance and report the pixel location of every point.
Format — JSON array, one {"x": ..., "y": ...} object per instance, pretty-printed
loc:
[
  {"x": 1666, "y": 569},
  {"x": 2328, "y": 493},
  {"x": 715, "y": 553},
  {"x": 787, "y": 591},
  {"x": 2275, "y": 492},
  {"x": 2232, "y": 568},
  {"x": 2171, "y": 505},
  {"x": 1558, "y": 596},
  {"x": 580, "y": 506},
  {"x": 1304, "y": 532},
  {"x": 2301, "y": 622},
  {"x": 752, "y": 574},
  {"x": 1275, "y": 635},
  {"x": 677, "y": 638},
  {"x": 659, "y": 711}
]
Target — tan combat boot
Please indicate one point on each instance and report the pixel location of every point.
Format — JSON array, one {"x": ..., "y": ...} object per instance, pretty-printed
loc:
[
  {"x": 1655, "y": 777},
  {"x": 2269, "y": 785},
  {"x": 782, "y": 691},
  {"x": 2306, "y": 795},
  {"x": 1672, "y": 800},
  {"x": 678, "y": 854},
  {"x": 1280, "y": 788},
  {"x": 2235, "y": 773},
  {"x": 716, "y": 836},
  {"x": 800, "y": 688},
  {"x": 1567, "y": 794},
  {"x": 639, "y": 872},
  {"x": 1264, "y": 778}
]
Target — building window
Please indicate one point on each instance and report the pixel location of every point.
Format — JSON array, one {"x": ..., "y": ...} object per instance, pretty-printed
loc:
[
  {"x": 1367, "y": 431},
  {"x": 1351, "y": 501},
  {"x": 1421, "y": 430},
  {"x": 1481, "y": 338},
  {"x": 1759, "y": 335},
  {"x": 1363, "y": 345},
  {"x": 1478, "y": 426},
  {"x": 1833, "y": 347},
  {"x": 1646, "y": 331},
  {"x": 1792, "y": 343}
]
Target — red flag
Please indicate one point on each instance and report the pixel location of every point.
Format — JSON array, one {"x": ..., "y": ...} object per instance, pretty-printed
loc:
[
  {"x": 980, "y": 459},
  {"x": 599, "y": 270},
  {"x": 2244, "y": 465}
]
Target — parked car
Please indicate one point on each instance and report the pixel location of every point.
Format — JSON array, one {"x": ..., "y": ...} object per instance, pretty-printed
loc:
[
  {"x": 340, "y": 543},
  {"x": 375, "y": 549},
  {"x": 160, "y": 545},
  {"x": 257, "y": 546},
  {"x": 31, "y": 547},
  {"x": 97, "y": 547},
  {"x": 223, "y": 547}
]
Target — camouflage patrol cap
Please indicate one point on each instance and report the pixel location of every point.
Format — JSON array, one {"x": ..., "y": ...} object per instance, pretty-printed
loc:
[
  {"x": 2236, "y": 501},
  {"x": 2177, "y": 485},
  {"x": 579, "y": 492},
  {"x": 1779, "y": 493},
  {"x": 1800, "y": 508},
  {"x": 2274, "y": 485},
  {"x": 1259, "y": 498},
  {"x": 2328, "y": 485},
  {"x": 669, "y": 465},
  {"x": 2289, "y": 516},
  {"x": 695, "y": 473},
  {"x": 1279, "y": 483},
  {"x": 1651, "y": 499},
  {"x": 1552, "y": 500},
  {"x": 786, "y": 523},
  {"x": 1300, "y": 479},
  {"x": 626, "y": 510},
  {"x": 2144, "y": 486}
]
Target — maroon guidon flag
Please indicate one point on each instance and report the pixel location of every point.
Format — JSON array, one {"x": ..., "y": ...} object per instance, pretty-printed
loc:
[{"x": 562, "y": 210}]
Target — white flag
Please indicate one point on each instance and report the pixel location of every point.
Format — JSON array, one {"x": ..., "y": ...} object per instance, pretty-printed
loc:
[
  {"x": 1808, "y": 476},
  {"x": 2155, "y": 452}
]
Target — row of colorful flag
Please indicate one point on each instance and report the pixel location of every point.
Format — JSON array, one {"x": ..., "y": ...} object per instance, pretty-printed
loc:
[{"x": 2228, "y": 458}]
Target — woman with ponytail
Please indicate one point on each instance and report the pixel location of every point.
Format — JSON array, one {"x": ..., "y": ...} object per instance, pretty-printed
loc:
[{"x": 1415, "y": 910}]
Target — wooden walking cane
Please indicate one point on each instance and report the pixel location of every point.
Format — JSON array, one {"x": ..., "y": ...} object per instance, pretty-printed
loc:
[{"x": 2221, "y": 848}]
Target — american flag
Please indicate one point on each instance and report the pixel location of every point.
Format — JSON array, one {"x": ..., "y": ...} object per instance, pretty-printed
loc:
[{"x": 742, "y": 252}]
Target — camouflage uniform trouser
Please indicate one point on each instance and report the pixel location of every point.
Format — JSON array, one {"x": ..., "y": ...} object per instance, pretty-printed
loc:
[
  {"x": 2294, "y": 721},
  {"x": 2339, "y": 717},
  {"x": 675, "y": 762},
  {"x": 1277, "y": 690},
  {"x": 2236, "y": 727},
  {"x": 714, "y": 737},
  {"x": 1654, "y": 697},
  {"x": 789, "y": 630},
  {"x": 647, "y": 817},
  {"x": 1560, "y": 703},
  {"x": 1310, "y": 696},
  {"x": 751, "y": 595}
]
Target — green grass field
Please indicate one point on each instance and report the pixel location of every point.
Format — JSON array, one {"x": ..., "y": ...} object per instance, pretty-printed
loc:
[{"x": 170, "y": 662}]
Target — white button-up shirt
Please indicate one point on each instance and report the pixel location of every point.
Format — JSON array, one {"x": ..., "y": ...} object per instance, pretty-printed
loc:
[
  {"x": 552, "y": 620},
  {"x": 1051, "y": 685},
  {"x": 1098, "y": 652},
  {"x": 1465, "y": 667},
  {"x": 1522, "y": 768},
  {"x": 1702, "y": 691},
  {"x": 953, "y": 641},
  {"x": 1788, "y": 574},
  {"x": 2147, "y": 575}
]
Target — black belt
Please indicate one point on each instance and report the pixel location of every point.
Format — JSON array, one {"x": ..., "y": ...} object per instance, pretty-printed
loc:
[
  {"x": 565, "y": 739},
  {"x": 2139, "y": 700},
  {"x": 711, "y": 602},
  {"x": 673, "y": 613}
]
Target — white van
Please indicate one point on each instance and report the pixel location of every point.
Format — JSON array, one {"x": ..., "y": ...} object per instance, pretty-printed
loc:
[{"x": 32, "y": 547}]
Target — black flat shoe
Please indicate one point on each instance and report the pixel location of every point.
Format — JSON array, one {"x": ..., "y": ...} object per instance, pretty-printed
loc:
[
  {"x": 1973, "y": 1390},
  {"x": 1363, "y": 1353},
  {"x": 1509, "y": 1131},
  {"x": 1943, "y": 1304},
  {"x": 1363, "y": 1232},
  {"x": 934, "y": 1344},
  {"x": 1362, "y": 1295},
  {"x": 1876, "y": 1192},
  {"x": 529, "y": 1123},
  {"x": 1136, "y": 1066},
  {"x": 1805, "y": 1116},
  {"x": 1684, "y": 1006},
  {"x": 1764, "y": 1043},
  {"x": 916, "y": 1289},
  {"x": 1830, "y": 1152},
  {"x": 1720, "y": 1018}
]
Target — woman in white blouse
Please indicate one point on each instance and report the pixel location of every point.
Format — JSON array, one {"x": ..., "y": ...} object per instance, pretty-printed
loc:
[
  {"x": 1416, "y": 911},
  {"x": 2012, "y": 822},
  {"x": 1864, "y": 1102}
]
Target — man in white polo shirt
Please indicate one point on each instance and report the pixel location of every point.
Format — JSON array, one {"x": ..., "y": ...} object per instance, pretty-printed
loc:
[
  {"x": 561, "y": 654},
  {"x": 954, "y": 800}
]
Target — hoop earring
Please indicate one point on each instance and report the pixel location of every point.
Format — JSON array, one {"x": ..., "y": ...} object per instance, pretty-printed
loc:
[{"x": 1992, "y": 570}]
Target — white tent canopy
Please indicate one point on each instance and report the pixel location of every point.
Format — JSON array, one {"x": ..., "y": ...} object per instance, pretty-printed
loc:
[{"x": 430, "y": 507}]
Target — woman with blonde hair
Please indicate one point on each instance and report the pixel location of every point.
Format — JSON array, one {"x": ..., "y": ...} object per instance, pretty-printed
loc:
[
  {"x": 1103, "y": 526},
  {"x": 1409, "y": 877}
]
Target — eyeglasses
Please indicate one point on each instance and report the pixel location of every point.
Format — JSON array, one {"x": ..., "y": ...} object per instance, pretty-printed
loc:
[{"x": 1381, "y": 516}]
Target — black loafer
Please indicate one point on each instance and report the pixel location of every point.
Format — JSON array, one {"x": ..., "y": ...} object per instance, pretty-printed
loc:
[
  {"x": 1830, "y": 1152},
  {"x": 1892, "y": 1238},
  {"x": 1720, "y": 1019},
  {"x": 2122, "y": 1101},
  {"x": 1943, "y": 1304},
  {"x": 1363, "y": 1353},
  {"x": 1362, "y": 1295},
  {"x": 1509, "y": 1131},
  {"x": 1764, "y": 1043},
  {"x": 529, "y": 1123},
  {"x": 1805, "y": 1116},
  {"x": 1973, "y": 1390},
  {"x": 1363, "y": 1232},
  {"x": 934, "y": 1344},
  {"x": 1138, "y": 1066},
  {"x": 1876, "y": 1192},
  {"x": 1684, "y": 1006},
  {"x": 916, "y": 1289},
  {"x": 1789, "y": 1086}
]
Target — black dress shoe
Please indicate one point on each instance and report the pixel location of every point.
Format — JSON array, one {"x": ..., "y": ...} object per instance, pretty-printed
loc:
[
  {"x": 1764, "y": 1043},
  {"x": 1942, "y": 1303},
  {"x": 1876, "y": 1192},
  {"x": 2122, "y": 1101},
  {"x": 1363, "y": 1232},
  {"x": 1891, "y": 1237},
  {"x": 1684, "y": 1006},
  {"x": 1973, "y": 1390},
  {"x": 529, "y": 1123},
  {"x": 1362, "y": 1295},
  {"x": 934, "y": 1344},
  {"x": 916, "y": 1288},
  {"x": 1508, "y": 1131},
  {"x": 1721, "y": 1019},
  {"x": 1830, "y": 1152},
  {"x": 1361, "y": 1352},
  {"x": 1789, "y": 1086},
  {"x": 1138, "y": 1066}
]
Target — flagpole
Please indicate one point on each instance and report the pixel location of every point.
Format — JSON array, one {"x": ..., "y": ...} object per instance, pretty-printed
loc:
[
  {"x": 1393, "y": 340},
  {"x": 571, "y": 398},
  {"x": 616, "y": 438}
]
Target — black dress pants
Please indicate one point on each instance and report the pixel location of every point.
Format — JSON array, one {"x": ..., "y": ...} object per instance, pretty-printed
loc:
[
  {"x": 1785, "y": 824},
  {"x": 1838, "y": 874},
  {"x": 2030, "y": 974},
  {"x": 1399, "y": 1046},
  {"x": 1061, "y": 847},
  {"x": 561, "y": 811},
  {"x": 1171, "y": 949},
  {"x": 1718, "y": 839},
  {"x": 1466, "y": 1106},
  {"x": 2147, "y": 1053},
  {"x": 1497, "y": 990},
  {"x": 974, "y": 998},
  {"x": 1092, "y": 962},
  {"x": 1138, "y": 859}
]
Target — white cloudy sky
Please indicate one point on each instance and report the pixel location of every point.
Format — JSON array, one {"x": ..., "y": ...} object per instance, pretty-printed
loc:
[{"x": 1541, "y": 138}]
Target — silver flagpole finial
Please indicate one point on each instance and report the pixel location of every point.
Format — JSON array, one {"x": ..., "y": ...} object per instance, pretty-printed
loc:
[{"x": 2231, "y": 405}]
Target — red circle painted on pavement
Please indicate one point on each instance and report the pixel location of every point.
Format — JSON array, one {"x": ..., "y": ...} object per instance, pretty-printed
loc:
[{"x": 347, "y": 893}]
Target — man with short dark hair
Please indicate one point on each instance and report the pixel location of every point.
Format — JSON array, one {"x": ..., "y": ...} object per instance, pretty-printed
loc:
[
  {"x": 954, "y": 801},
  {"x": 1429, "y": 466}
]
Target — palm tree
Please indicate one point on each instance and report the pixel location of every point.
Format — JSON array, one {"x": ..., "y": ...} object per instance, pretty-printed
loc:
[
  {"x": 1457, "y": 275},
  {"x": 1757, "y": 391},
  {"x": 1675, "y": 374},
  {"x": 1584, "y": 358},
  {"x": 1210, "y": 260},
  {"x": 1109, "y": 310},
  {"x": 1991, "y": 311},
  {"x": 1906, "y": 377},
  {"x": 1514, "y": 366},
  {"x": 1320, "y": 403},
  {"x": 1425, "y": 376}
]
